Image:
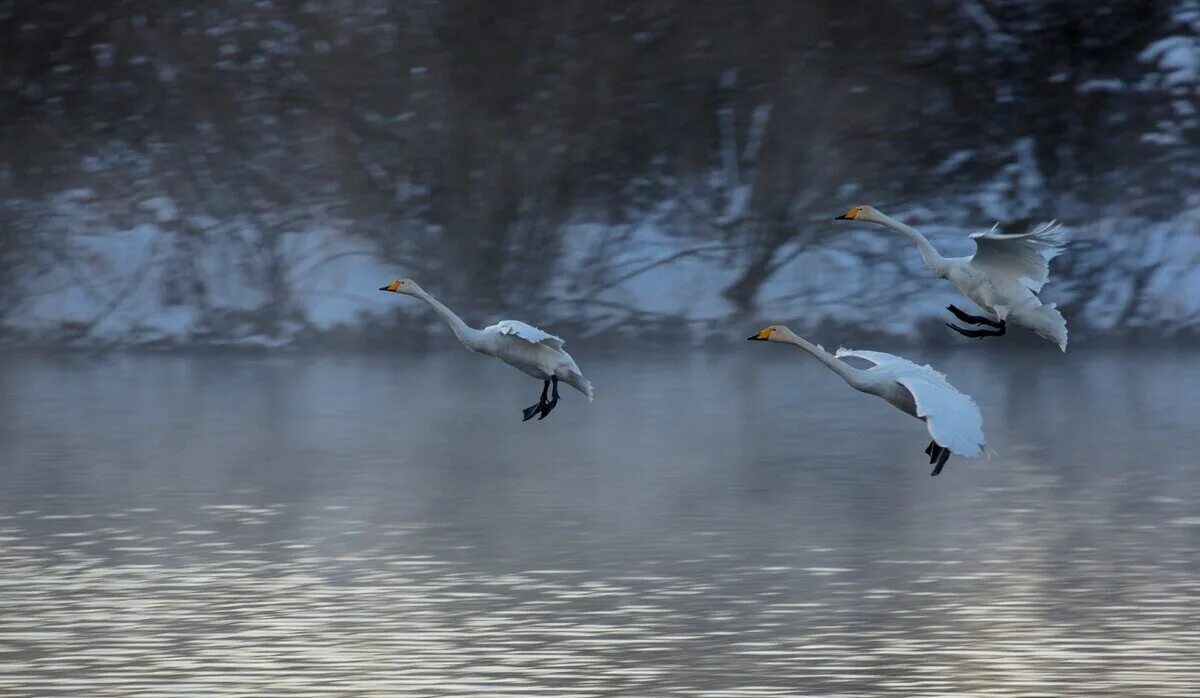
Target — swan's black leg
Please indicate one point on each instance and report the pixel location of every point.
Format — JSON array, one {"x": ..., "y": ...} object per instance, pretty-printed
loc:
[
  {"x": 548, "y": 406},
  {"x": 932, "y": 451},
  {"x": 974, "y": 319},
  {"x": 941, "y": 461},
  {"x": 541, "y": 404},
  {"x": 976, "y": 334}
]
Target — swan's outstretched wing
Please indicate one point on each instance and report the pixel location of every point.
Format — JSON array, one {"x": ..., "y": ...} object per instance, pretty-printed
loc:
[
  {"x": 529, "y": 333},
  {"x": 876, "y": 357},
  {"x": 1023, "y": 256},
  {"x": 953, "y": 419}
]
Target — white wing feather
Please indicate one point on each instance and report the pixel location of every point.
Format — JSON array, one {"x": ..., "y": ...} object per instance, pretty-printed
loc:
[
  {"x": 953, "y": 419},
  {"x": 876, "y": 357},
  {"x": 529, "y": 333},
  {"x": 1022, "y": 256}
]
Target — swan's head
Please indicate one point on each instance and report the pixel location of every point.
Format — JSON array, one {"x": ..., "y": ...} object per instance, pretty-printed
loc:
[
  {"x": 406, "y": 286},
  {"x": 774, "y": 333},
  {"x": 861, "y": 213}
]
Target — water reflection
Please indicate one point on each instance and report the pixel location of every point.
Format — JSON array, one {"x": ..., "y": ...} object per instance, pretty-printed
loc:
[{"x": 726, "y": 527}]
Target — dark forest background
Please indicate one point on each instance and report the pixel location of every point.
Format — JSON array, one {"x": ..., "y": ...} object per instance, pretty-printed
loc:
[{"x": 466, "y": 140}]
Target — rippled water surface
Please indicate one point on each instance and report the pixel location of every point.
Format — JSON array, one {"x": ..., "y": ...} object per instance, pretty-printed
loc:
[{"x": 732, "y": 525}]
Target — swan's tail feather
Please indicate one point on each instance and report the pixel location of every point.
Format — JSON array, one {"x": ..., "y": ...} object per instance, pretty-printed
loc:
[
  {"x": 581, "y": 384},
  {"x": 1047, "y": 322}
]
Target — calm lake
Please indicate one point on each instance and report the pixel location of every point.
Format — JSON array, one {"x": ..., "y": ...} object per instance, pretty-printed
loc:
[{"x": 733, "y": 524}]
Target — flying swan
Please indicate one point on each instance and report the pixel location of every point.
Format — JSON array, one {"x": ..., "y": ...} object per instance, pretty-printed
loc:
[
  {"x": 524, "y": 347},
  {"x": 953, "y": 419},
  {"x": 1003, "y": 277}
]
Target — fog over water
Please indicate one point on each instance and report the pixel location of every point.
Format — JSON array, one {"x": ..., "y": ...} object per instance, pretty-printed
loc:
[{"x": 734, "y": 523}]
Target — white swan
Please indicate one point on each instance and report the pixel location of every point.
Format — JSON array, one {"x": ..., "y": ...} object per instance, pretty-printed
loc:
[
  {"x": 952, "y": 418},
  {"x": 1003, "y": 277},
  {"x": 524, "y": 347}
]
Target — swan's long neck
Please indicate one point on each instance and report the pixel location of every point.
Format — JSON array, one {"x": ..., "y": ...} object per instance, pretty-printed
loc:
[
  {"x": 466, "y": 334},
  {"x": 933, "y": 260},
  {"x": 851, "y": 375}
]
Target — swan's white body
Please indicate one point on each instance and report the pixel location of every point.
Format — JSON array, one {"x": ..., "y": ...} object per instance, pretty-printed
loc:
[
  {"x": 531, "y": 351},
  {"x": 952, "y": 418},
  {"x": 1004, "y": 275}
]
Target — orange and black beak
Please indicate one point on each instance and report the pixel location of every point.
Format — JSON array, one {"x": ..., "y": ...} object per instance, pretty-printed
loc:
[
  {"x": 848, "y": 215},
  {"x": 761, "y": 336},
  {"x": 390, "y": 287}
]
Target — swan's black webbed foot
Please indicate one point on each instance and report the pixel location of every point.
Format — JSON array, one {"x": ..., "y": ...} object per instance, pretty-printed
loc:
[
  {"x": 541, "y": 406},
  {"x": 974, "y": 319},
  {"x": 943, "y": 456},
  {"x": 976, "y": 334},
  {"x": 1000, "y": 326},
  {"x": 548, "y": 407}
]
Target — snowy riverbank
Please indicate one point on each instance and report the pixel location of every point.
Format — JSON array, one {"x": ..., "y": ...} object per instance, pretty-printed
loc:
[{"x": 205, "y": 283}]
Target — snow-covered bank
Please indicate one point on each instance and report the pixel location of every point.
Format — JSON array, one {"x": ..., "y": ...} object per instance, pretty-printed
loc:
[
  {"x": 203, "y": 282},
  {"x": 196, "y": 281}
]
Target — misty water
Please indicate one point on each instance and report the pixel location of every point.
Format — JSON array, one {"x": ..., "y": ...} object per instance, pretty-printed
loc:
[{"x": 715, "y": 524}]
